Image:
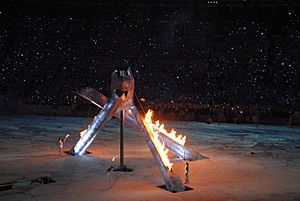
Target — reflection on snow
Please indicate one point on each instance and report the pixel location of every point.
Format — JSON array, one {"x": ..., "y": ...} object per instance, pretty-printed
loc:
[{"x": 40, "y": 130}]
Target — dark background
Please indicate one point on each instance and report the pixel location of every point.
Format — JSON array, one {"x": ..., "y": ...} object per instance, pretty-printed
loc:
[{"x": 219, "y": 53}]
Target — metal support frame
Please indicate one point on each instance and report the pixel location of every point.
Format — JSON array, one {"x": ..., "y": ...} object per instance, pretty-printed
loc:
[
  {"x": 122, "y": 139},
  {"x": 122, "y": 167}
]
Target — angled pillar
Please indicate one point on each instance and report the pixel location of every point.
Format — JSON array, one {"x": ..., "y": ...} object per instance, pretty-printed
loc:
[
  {"x": 172, "y": 181},
  {"x": 104, "y": 115},
  {"x": 180, "y": 150}
]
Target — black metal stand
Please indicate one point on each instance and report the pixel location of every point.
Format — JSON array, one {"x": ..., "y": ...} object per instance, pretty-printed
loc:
[
  {"x": 122, "y": 139},
  {"x": 122, "y": 167}
]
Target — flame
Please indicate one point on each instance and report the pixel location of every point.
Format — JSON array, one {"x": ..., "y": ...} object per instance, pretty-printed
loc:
[
  {"x": 83, "y": 132},
  {"x": 160, "y": 128},
  {"x": 113, "y": 159},
  {"x": 157, "y": 128},
  {"x": 162, "y": 150}
]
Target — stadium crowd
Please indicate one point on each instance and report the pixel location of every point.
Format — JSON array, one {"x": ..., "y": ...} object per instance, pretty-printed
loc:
[{"x": 44, "y": 59}]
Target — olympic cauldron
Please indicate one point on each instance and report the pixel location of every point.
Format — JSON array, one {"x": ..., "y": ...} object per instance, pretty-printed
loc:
[{"x": 121, "y": 105}]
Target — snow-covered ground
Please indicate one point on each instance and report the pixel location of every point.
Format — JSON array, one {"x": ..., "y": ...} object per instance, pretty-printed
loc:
[{"x": 246, "y": 162}]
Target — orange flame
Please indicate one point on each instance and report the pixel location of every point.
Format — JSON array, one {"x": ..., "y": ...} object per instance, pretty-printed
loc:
[
  {"x": 82, "y": 132},
  {"x": 113, "y": 159},
  {"x": 160, "y": 128},
  {"x": 155, "y": 129},
  {"x": 161, "y": 149}
]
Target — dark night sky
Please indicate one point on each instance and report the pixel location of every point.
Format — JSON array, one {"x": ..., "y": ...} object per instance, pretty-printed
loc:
[{"x": 247, "y": 54}]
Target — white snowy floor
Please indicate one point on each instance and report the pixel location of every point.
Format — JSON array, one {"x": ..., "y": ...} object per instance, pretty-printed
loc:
[{"x": 246, "y": 162}]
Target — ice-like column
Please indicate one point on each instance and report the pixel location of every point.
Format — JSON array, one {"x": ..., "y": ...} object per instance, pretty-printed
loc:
[
  {"x": 104, "y": 115},
  {"x": 172, "y": 181},
  {"x": 181, "y": 151},
  {"x": 99, "y": 100}
]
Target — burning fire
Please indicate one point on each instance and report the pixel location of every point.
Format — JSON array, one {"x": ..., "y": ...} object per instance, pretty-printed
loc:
[
  {"x": 82, "y": 132},
  {"x": 160, "y": 128},
  {"x": 113, "y": 159},
  {"x": 162, "y": 150},
  {"x": 155, "y": 129}
]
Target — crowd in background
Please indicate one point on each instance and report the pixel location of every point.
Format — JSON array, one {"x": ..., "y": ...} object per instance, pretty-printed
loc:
[{"x": 175, "y": 57}]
